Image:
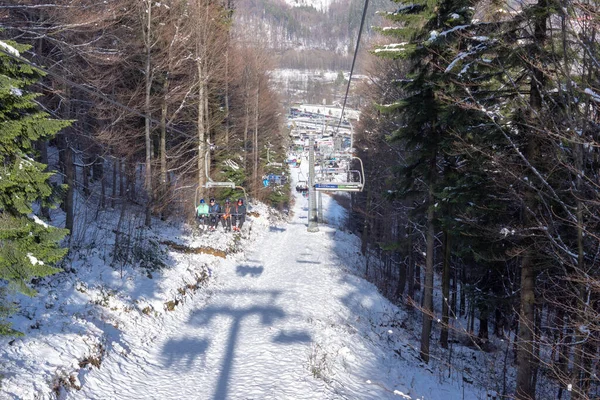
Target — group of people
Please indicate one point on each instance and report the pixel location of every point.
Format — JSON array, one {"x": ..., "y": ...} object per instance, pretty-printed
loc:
[{"x": 232, "y": 216}]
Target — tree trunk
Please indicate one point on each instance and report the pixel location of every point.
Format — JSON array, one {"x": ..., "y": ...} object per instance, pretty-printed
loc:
[
  {"x": 246, "y": 127},
  {"x": 411, "y": 262},
  {"x": 524, "y": 387},
  {"x": 454, "y": 294},
  {"x": 498, "y": 322},
  {"x": 163, "y": 143},
  {"x": 401, "y": 266},
  {"x": 364, "y": 239},
  {"x": 445, "y": 290},
  {"x": 67, "y": 165},
  {"x": 85, "y": 176},
  {"x": 227, "y": 93},
  {"x": 147, "y": 111},
  {"x": 43, "y": 147},
  {"x": 429, "y": 259},
  {"x": 525, "y": 371},
  {"x": 463, "y": 295},
  {"x": 483, "y": 333},
  {"x": 255, "y": 145},
  {"x": 200, "y": 122},
  {"x": 103, "y": 192},
  {"x": 121, "y": 164},
  {"x": 70, "y": 181}
]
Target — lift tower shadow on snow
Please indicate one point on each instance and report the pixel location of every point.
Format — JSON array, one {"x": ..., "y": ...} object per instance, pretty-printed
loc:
[{"x": 268, "y": 313}]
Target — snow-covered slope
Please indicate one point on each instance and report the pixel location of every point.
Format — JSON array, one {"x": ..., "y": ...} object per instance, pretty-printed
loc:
[
  {"x": 321, "y": 5},
  {"x": 284, "y": 318}
]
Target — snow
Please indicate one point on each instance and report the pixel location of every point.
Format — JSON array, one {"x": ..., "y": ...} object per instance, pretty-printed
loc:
[
  {"x": 453, "y": 29},
  {"x": 33, "y": 260},
  {"x": 391, "y": 47},
  {"x": 320, "y": 5},
  {"x": 38, "y": 221},
  {"x": 16, "y": 92},
  {"x": 595, "y": 96},
  {"x": 9, "y": 48},
  {"x": 286, "y": 315}
]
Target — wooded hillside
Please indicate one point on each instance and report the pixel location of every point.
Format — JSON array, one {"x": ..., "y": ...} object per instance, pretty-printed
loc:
[
  {"x": 161, "y": 97},
  {"x": 482, "y": 152}
]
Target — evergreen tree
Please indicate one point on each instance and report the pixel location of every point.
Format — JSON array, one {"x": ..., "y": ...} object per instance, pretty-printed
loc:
[
  {"x": 28, "y": 246},
  {"x": 428, "y": 33},
  {"x": 534, "y": 93}
]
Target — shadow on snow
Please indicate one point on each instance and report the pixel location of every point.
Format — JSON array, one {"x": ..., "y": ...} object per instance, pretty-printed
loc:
[{"x": 189, "y": 349}]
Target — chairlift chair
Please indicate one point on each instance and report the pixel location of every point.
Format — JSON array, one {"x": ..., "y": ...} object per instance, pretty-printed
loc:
[
  {"x": 301, "y": 184},
  {"x": 210, "y": 184},
  {"x": 354, "y": 183}
]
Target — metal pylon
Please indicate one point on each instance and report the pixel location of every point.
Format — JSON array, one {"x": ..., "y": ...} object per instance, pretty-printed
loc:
[{"x": 313, "y": 225}]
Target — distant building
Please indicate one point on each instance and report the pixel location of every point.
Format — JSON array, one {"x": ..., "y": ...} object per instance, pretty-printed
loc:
[{"x": 323, "y": 111}]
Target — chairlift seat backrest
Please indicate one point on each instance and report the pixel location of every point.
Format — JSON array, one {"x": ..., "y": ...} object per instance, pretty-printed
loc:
[{"x": 220, "y": 184}]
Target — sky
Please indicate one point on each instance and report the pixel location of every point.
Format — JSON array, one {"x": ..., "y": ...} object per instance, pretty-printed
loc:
[{"x": 285, "y": 315}]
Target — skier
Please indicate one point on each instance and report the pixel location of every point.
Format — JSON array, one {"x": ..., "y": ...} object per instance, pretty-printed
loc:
[
  {"x": 202, "y": 214},
  {"x": 239, "y": 215},
  {"x": 226, "y": 215},
  {"x": 214, "y": 210}
]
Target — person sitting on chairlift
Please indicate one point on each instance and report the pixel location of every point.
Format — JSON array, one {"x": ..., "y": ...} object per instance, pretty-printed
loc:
[
  {"x": 239, "y": 215},
  {"x": 202, "y": 214},
  {"x": 226, "y": 216},
  {"x": 214, "y": 211}
]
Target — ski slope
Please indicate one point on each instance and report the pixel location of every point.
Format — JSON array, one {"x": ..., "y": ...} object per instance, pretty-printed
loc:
[
  {"x": 284, "y": 320},
  {"x": 285, "y": 315}
]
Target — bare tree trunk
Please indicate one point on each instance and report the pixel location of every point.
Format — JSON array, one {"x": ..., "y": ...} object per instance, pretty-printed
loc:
[
  {"x": 364, "y": 242},
  {"x": 121, "y": 165},
  {"x": 256, "y": 149},
  {"x": 85, "y": 176},
  {"x": 429, "y": 259},
  {"x": 463, "y": 295},
  {"x": 163, "y": 142},
  {"x": 246, "y": 127},
  {"x": 524, "y": 388},
  {"x": 103, "y": 192},
  {"x": 43, "y": 147},
  {"x": 411, "y": 264},
  {"x": 69, "y": 203},
  {"x": 201, "y": 126},
  {"x": 401, "y": 284},
  {"x": 68, "y": 167},
  {"x": 227, "y": 93},
  {"x": 147, "y": 111},
  {"x": 445, "y": 290},
  {"x": 453, "y": 296}
]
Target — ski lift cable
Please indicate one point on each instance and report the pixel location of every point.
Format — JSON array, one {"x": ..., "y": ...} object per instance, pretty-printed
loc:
[{"x": 362, "y": 23}]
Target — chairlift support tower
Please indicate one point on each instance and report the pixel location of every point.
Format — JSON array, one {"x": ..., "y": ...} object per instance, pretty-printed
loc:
[{"x": 313, "y": 225}]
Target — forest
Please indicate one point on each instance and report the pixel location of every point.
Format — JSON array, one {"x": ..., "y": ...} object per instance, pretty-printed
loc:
[
  {"x": 481, "y": 148},
  {"x": 137, "y": 104},
  {"x": 480, "y": 140}
]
